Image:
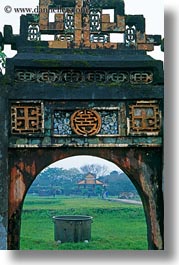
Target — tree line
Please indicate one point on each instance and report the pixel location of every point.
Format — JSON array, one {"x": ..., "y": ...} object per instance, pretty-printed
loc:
[{"x": 59, "y": 181}]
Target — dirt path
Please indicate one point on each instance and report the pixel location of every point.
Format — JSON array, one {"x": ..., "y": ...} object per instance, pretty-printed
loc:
[{"x": 125, "y": 201}]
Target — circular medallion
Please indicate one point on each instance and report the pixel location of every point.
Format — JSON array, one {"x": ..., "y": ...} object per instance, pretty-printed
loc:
[{"x": 86, "y": 122}]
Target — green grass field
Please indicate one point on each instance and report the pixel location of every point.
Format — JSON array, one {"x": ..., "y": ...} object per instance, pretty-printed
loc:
[{"x": 116, "y": 226}]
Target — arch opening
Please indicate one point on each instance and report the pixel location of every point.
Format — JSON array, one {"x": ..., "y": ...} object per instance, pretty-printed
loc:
[
  {"x": 61, "y": 188},
  {"x": 135, "y": 163}
]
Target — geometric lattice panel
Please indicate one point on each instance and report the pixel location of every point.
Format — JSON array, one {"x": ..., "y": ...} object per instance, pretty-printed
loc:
[
  {"x": 144, "y": 118},
  {"x": 26, "y": 118}
]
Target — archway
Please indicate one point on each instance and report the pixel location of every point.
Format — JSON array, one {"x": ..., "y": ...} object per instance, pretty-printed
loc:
[
  {"x": 25, "y": 166},
  {"x": 111, "y": 217},
  {"x": 116, "y": 225}
]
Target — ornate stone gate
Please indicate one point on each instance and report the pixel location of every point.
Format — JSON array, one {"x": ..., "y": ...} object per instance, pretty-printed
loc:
[{"x": 81, "y": 94}]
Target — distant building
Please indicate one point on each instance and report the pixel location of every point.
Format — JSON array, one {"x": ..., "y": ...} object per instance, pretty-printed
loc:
[{"x": 90, "y": 182}]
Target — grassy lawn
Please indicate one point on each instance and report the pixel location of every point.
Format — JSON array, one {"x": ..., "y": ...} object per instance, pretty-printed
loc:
[{"x": 116, "y": 226}]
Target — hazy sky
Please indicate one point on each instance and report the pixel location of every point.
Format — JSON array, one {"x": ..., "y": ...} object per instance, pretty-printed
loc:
[{"x": 78, "y": 161}]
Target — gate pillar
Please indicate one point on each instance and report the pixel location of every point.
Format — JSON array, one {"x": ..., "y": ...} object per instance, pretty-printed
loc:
[{"x": 3, "y": 168}]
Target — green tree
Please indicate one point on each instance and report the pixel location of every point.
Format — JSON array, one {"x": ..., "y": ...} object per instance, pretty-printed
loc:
[
  {"x": 2, "y": 59},
  {"x": 57, "y": 179},
  {"x": 94, "y": 169},
  {"x": 118, "y": 182}
]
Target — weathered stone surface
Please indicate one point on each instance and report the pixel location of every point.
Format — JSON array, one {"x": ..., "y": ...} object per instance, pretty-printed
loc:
[
  {"x": 3, "y": 167},
  {"x": 46, "y": 82},
  {"x": 3, "y": 235},
  {"x": 142, "y": 165}
]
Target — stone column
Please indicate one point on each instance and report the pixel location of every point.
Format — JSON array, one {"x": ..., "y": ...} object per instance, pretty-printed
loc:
[{"x": 3, "y": 167}]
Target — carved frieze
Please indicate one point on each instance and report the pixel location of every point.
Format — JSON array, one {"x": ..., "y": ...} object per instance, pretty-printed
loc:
[
  {"x": 102, "y": 122},
  {"x": 71, "y": 75},
  {"x": 144, "y": 118}
]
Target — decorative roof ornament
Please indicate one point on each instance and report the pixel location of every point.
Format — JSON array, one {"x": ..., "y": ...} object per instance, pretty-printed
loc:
[{"x": 84, "y": 24}]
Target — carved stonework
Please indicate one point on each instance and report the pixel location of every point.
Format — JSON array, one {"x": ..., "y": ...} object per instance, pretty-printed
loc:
[
  {"x": 86, "y": 122},
  {"x": 26, "y": 118},
  {"x": 34, "y": 32},
  {"x": 141, "y": 77},
  {"x": 95, "y": 19},
  {"x": 130, "y": 36},
  {"x": 72, "y": 75},
  {"x": 108, "y": 121},
  {"x": 145, "y": 118},
  {"x": 89, "y": 26}
]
